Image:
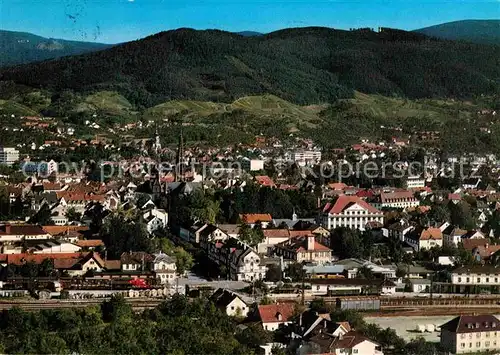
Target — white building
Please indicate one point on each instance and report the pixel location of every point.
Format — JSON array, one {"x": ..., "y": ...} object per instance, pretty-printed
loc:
[
  {"x": 427, "y": 238},
  {"x": 230, "y": 303},
  {"x": 252, "y": 164},
  {"x": 471, "y": 334},
  {"x": 476, "y": 275},
  {"x": 19, "y": 232},
  {"x": 242, "y": 262},
  {"x": 306, "y": 157},
  {"x": 414, "y": 182},
  {"x": 164, "y": 267},
  {"x": 55, "y": 247},
  {"x": 397, "y": 199},
  {"x": 273, "y": 316},
  {"x": 350, "y": 212},
  {"x": 8, "y": 156},
  {"x": 355, "y": 343}
]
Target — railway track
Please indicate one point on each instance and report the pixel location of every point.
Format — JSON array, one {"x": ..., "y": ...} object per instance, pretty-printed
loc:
[{"x": 137, "y": 304}]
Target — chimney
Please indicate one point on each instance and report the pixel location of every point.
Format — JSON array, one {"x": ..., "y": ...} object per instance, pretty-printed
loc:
[
  {"x": 8, "y": 228},
  {"x": 310, "y": 243}
]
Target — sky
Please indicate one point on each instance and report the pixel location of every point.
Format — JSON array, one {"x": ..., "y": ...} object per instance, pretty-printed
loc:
[{"x": 114, "y": 21}]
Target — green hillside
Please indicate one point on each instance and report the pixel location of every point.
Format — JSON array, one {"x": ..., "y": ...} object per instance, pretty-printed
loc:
[
  {"x": 477, "y": 31},
  {"x": 22, "y": 47},
  {"x": 305, "y": 66}
]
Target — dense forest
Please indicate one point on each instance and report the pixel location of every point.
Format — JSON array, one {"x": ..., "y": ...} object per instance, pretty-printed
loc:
[{"x": 303, "y": 65}]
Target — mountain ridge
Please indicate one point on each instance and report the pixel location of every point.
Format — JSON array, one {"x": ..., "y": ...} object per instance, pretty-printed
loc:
[
  {"x": 24, "y": 47},
  {"x": 308, "y": 65},
  {"x": 477, "y": 31}
]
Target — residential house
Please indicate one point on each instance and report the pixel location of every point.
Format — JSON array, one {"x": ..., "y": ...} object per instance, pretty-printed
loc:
[
  {"x": 242, "y": 262},
  {"x": 153, "y": 223},
  {"x": 209, "y": 234},
  {"x": 304, "y": 249},
  {"x": 135, "y": 261},
  {"x": 350, "y": 212},
  {"x": 164, "y": 267},
  {"x": 273, "y": 316},
  {"x": 90, "y": 262},
  {"x": 230, "y": 303},
  {"x": 398, "y": 230},
  {"x": 351, "y": 343},
  {"x": 471, "y": 334},
  {"x": 424, "y": 238},
  {"x": 253, "y": 218}
]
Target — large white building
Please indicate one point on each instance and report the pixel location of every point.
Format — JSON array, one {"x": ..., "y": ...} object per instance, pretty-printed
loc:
[
  {"x": 8, "y": 156},
  {"x": 414, "y": 182},
  {"x": 252, "y": 164},
  {"x": 306, "y": 157},
  {"x": 350, "y": 212},
  {"x": 471, "y": 334},
  {"x": 476, "y": 275},
  {"x": 397, "y": 199}
]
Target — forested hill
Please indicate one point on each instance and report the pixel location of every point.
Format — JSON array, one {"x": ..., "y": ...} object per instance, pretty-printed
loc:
[
  {"x": 302, "y": 65},
  {"x": 478, "y": 31},
  {"x": 22, "y": 47}
]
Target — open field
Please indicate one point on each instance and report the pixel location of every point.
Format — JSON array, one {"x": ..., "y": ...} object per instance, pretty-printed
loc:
[{"x": 405, "y": 325}]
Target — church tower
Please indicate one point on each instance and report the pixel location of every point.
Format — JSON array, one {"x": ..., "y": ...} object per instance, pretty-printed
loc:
[
  {"x": 157, "y": 143},
  {"x": 179, "y": 161}
]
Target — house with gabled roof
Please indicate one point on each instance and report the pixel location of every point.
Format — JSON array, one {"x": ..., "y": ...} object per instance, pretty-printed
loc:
[
  {"x": 273, "y": 316},
  {"x": 230, "y": 303},
  {"x": 350, "y": 212},
  {"x": 304, "y": 249},
  {"x": 424, "y": 238},
  {"x": 471, "y": 334},
  {"x": 253, "y": 218}
]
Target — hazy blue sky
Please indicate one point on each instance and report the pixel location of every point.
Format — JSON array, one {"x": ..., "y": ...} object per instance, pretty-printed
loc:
[{"x": 114, "y": 21}]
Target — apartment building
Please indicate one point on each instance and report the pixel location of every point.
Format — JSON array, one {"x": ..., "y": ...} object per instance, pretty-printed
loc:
[{"x": 471, "y": 334}]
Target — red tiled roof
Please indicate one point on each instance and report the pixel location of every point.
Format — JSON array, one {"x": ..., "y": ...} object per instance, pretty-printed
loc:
[
  {"x": 337, "y": 186},
  {"x": 47, "y": 186},
  {"x": 20, "y": 259},
  {"x": 344, "y": 201},
  {"x": 22, "y": 229},
  {"x": 299, "y": 244},
  {"x": 57, "y": 230},
  {"x": 276, "y": 233},
  {"x": 265, "y": 180},
  {"x": 364, "y": 193},
  {"x": 90, "y": 243},
  {"x": 349, "y": 340},
  {"x": 397, "y": 195},
  {"x": 271, "y": 313},
  {"x": 454, "y": 197},
  {"x": 113, "y": 264},
  {"x": 251, "y": 218},
  {"x": 70, "y": 196},
  {"x": 470, "y": 244},
  {"x": 431, "y": 233}
]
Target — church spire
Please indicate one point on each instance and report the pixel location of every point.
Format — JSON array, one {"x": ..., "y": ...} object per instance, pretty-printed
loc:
[
  {"x": 157, "y": 143},
  {"x": 179, "y": 161}
]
